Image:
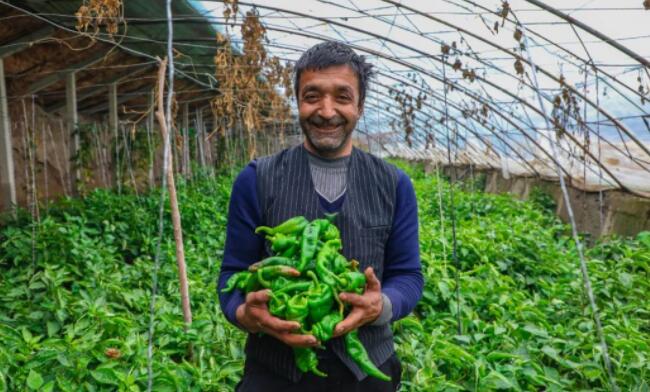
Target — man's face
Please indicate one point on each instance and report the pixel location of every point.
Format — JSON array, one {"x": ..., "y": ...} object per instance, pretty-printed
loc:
[{"x": 329, "y": 108}]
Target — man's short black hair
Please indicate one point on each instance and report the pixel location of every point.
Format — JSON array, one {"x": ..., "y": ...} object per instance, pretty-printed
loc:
[{"x": 332, "y": 53}]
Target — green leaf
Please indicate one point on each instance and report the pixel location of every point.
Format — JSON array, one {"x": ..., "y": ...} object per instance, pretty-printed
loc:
[
  {"x": 105, "y": 376},
  {"x": 626, "y": 279},
  {"x": 3, "y": 382},
  {"x": 496, "y": 380},
  {"x": 49, "y": 387},
  {"x": 52, "y": 328},
  {"x": 27, "y": 336},
  {"x": 444, "y": 289},
  {"x": 535, "y": 330},
  {"x": 34, "y": 380}
]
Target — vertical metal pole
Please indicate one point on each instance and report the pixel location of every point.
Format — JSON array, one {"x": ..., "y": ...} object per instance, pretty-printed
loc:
[
  {"x": 72, "y": 124},
  {"x": 112, "y": 125},
  {"x": 7, "y": 180}
]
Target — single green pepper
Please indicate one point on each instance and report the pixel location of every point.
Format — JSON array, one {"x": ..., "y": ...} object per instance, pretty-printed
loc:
[
  {"x": 323, "y": 224},
  {"x": 278, "y": 304},
  {"x": 293, "y": 226},
  {"x": 297, "y": 308},
  {"x": 321, "y": 299},
  {"x": 279, "y": 283},
  {"x": 324, "y": 329},
  {"x": 309, "y": 244},
  {"x": 251, "y": 284},
  {"x": 237, "y": 280},
  {"x": 293, "y": 286},
  {"x": 339, "y": 264},
  {"x": 306, "y": 360},
  {"x": 281, "y": 242},
  {"x": 324, "y": 259},
  {"x": 273, "y": 260},
  {"x": 291, "y": 251},
  {"x": 331, "y": 233},
  {"x": 264, "y": 275},
  {"x": 359, "y": 355},
  {"x": 352, "y": 282}
]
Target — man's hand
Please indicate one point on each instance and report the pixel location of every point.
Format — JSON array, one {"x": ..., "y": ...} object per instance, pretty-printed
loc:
[
  {"x": 254, "y": 316},
  {"x": 365, "y": 308}
]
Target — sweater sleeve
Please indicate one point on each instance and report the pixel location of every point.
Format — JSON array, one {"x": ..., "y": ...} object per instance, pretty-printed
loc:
[
  {"x": 402, "y": 281},
  {"x": 243, "y": 246}
]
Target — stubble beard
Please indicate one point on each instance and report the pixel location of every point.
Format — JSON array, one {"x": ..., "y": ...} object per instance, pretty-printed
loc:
[{"x": 326, "y": 144}]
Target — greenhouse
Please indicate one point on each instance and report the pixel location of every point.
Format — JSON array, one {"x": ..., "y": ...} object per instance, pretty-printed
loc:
[{"x": 357, "y": 195}]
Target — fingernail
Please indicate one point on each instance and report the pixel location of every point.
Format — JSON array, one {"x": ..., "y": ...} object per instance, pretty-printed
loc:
[{"x": 312, "y": 340}]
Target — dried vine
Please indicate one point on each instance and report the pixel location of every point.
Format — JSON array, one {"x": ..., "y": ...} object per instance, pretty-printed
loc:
[
  {"x": 93, "y": 14},
  {"x": 250, "y": 83}
]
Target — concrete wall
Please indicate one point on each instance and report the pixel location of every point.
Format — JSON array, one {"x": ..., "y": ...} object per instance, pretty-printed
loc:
[
  {"x": 618, "y": 213},
  {"x": 621, "y": 213}
]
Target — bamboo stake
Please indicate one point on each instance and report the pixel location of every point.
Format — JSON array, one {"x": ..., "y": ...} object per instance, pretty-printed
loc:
[{"x": 171, "y": 188}]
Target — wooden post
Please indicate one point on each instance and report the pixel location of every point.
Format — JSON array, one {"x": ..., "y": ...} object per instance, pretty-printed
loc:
[
  {"x": 72, "y": 124},
  {"x": 112, "y": 125},
  {"x": 173, "y": 202},
  {"x": 7, "y": 180}
]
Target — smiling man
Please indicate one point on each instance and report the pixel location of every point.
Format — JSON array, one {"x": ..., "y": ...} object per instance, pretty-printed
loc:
[{"x": 377, "y": 216}]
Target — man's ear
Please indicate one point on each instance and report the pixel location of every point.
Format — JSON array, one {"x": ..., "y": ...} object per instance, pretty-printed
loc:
[{"x": 361, "y": 109}]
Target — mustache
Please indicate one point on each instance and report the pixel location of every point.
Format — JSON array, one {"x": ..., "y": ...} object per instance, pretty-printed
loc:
[{"x": 320, "y": 121}]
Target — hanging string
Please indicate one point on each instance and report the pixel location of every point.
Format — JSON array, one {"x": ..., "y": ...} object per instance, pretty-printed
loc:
[{"x": 452, "y": 206}]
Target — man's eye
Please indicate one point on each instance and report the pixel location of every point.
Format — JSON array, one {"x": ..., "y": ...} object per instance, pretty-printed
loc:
[{"x": 310, "y": 97}]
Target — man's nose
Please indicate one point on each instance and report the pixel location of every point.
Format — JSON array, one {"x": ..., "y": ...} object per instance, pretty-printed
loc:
[{"x": 327, "y": 109}]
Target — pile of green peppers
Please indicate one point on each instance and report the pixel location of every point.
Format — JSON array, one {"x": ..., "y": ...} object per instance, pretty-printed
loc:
[{"x": 305, "y": 276}]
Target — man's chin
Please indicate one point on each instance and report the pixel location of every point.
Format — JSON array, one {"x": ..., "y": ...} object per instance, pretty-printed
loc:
[{"x": 325, "y": 146}]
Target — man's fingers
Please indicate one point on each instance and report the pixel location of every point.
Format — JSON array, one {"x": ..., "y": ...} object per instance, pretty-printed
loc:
[
  {"x": 279, "y": 325},
  {"x": 372, "y": 283},
  {"x": 349, "y": 323},
  {"x": 258, "y": 297},
  {"x": 295, "y": 340},
  {"x": 353, "y": 299}
]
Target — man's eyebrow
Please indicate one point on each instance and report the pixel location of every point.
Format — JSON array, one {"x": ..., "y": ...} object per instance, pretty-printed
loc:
[
  {"x": 309, "y": 88},
  {"x": 346, "y": 89}
]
